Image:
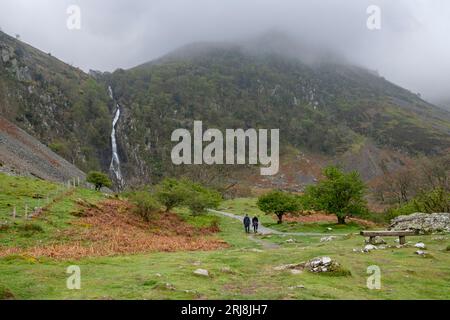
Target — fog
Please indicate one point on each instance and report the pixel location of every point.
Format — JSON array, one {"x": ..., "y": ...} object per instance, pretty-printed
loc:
[{"x": 412, "y": 48}]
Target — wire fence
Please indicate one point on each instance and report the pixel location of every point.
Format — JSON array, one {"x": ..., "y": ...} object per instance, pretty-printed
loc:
[{"x": 33, "y": 206}]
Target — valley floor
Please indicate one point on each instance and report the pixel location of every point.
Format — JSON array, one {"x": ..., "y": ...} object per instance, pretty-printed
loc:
[{"x": 243, "y": 269}]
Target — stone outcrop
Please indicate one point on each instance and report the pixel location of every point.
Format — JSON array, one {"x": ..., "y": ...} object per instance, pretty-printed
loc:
[
  {"x": 423, "y": 223},
  {"x": 316, "y": 265}
]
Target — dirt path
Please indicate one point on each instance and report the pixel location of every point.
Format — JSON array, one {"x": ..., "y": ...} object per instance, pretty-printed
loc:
[{"x": 264, "y": 230}]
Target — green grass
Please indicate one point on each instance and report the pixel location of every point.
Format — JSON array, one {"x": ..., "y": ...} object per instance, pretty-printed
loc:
[
  {"x": 250, "y": 266},
  {"x": 242, "y": 206},
  {"x": 21, "y": 232}
]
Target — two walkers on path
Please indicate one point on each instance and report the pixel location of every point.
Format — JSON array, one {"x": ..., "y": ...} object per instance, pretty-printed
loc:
[{"x": 254, "y": 222}]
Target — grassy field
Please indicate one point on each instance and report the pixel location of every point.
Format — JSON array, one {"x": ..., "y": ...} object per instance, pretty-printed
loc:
[{"x": 245, "y": 270}]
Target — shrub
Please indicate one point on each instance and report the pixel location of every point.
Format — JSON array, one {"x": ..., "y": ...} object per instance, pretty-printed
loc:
[
  {"x": 448, "y": 248},
  {"x": 175, "y": 193},
  {"x": 200, "y": 198},
  {"x": 99, "y": 180},
  {"x": 437, "y": 200},
  {"x": 146, "y": 205},
  {"x": 171, "y": 193},
  {"x": 30, "y": 227}
]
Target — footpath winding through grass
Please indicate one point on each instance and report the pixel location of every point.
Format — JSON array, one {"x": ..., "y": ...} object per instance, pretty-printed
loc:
[{"x": 244, "y": 270}]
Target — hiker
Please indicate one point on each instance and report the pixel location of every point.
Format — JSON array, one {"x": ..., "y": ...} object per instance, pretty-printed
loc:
[
  {"x": 255, "y": 223},
  {"x": 247, "y": 223}
]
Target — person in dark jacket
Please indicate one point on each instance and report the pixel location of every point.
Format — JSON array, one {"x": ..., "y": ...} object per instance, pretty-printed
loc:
[
  {"x": 247, "y": 223},
  {"x": 255, "y": 223}
]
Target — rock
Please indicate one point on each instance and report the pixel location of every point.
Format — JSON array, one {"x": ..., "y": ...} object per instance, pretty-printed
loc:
[
  {"x": 290, "y": 241},
  {"x": 169, "y": 286},
  {"x": 158, "y": 274},
  {"x": 202, "y": 272},
  {"x": 420, "y": 245},
  {"x": 316, "y": 265},
  {"x": 423, "y": 223},
  {"x": 369, "y": 248},
  {"x": 420, "y": 252},
  {"x": 300, "y": 286},
  {"x": 329, "y": 229},
  {"x": 376, "y": 241},
  {"x": 327, "y": 239},
  {"x": 226, "y": 270},
  {"x": 5, "y": 55},
  {"x": 326, "y": 260}
]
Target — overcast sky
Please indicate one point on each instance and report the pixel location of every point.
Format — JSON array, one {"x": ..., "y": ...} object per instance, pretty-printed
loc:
[{"x": 411, "y": 49}]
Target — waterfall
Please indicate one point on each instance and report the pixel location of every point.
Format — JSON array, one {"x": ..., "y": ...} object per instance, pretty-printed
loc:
[{"x": 115, "y": 161}]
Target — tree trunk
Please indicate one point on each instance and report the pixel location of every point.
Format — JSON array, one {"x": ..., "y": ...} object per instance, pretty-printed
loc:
[
  {"x": 341, "y": 220},
  {"x": 280, "y": 218}
]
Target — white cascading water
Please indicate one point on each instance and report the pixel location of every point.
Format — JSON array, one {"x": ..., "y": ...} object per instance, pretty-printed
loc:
[{"x": 115, "y": 161}]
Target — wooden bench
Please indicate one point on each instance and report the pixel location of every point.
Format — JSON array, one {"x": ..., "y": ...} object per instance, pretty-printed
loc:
[{"x": 400, "y": 234}]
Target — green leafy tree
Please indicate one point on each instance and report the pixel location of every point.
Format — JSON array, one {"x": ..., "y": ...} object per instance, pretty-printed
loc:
[
  {"x": 99, "y": 180},
  {"x": 339, "y": 193},
  {"x": 278, "y": 203}
]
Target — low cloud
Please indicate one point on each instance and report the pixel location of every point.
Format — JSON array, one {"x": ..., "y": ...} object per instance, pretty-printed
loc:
[{"x": 411, "y": 49}]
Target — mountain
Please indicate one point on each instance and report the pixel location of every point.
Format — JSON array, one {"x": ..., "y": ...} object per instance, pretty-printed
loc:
[
  {"x": 60, "y": 105},
  {"x": 323, "y": 106},
  {"x": 22, "y": 154}
]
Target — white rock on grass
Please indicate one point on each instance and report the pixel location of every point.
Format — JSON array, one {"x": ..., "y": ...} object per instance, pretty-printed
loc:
[
  {"x": 369, "y": 248},
  {"x": 300, "y": 286},
  {"x": 327, "y": 239},
  {"x": 420, "y": 245},
  {"x": 202, "y": 272},
  {"x": 420, "y": 252},
  {"x": 290, "y": 241}
]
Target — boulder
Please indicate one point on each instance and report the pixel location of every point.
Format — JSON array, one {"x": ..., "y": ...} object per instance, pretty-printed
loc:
[
  {"x": 369, "y": 248},
  {"x": 420, "y": 245},
  {"x": 423, "y": 223},
  {"x": 420, "y": 252},
  {"x": 316, "y": 265},
  {"x": 202, "y": 272}
]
